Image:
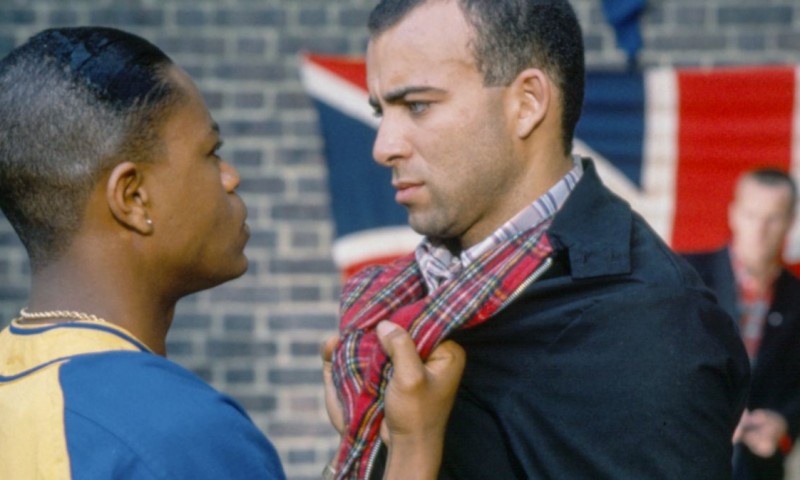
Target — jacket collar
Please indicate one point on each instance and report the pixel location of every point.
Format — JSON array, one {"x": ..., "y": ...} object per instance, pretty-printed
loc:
[{"x": 594, "y": 228}]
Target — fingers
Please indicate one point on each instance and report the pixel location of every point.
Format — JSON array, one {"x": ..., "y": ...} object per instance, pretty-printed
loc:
[
  {"x": 761, "y": 431},
  {"x": 327, "y": 348},
  {"x": 332, "y": 405},
  {"x": 739, "y": 432},
  {"x": 446, "y": 359},
  {"x": 447, "y": 362},
  {"x": 397, "y": 343},
  {"x": 408, "y": 367},
  {"x": 418, "y": 401},
  {"x": 419, "y": 395}
]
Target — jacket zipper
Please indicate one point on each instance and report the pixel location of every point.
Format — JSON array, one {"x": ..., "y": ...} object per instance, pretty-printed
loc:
[
  {"x": 540, "y": 270},
  {"x": 371, "y": 459}
]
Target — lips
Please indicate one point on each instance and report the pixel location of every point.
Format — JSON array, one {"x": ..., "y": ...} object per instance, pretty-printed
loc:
[
  {"x": 243, "y": 213},
  {"x": 405, "y": 191}
]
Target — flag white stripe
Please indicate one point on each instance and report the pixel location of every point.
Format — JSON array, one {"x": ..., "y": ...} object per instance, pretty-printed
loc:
[
  {"x": 659, "y": 165},
  {"x": 366, "y": 245},
  {"x": 340, "y": 94}
]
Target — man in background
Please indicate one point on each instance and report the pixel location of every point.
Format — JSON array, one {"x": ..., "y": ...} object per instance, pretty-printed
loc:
[{"x": 764, "y": 297}]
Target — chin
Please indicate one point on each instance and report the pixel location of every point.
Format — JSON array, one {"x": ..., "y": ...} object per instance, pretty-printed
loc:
[
  {"x": 243, "y": 264},
  {"x": 422, "y": 227},
  {"x": 234, "y": 269}
]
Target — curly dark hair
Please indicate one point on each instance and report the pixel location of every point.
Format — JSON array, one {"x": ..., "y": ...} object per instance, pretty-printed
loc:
[
  {"x": 512, "y": 35},
  {"x": 74, "y": 102}
]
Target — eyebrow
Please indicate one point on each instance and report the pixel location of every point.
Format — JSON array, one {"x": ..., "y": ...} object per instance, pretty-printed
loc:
[{"x": 400, "y": 93}]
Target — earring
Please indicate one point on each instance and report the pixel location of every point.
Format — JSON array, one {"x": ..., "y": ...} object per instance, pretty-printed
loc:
[{"x": 149, "y": 222}]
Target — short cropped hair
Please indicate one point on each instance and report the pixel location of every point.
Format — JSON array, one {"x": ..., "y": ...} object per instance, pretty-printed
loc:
[
  {"x": 512, "y": 35},
  {"x": 774, "y": 177},
  {"x": 74, "y": 103}
]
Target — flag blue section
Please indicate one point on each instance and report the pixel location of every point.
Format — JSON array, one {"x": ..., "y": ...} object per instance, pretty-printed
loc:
[
  {"x": 362, "y": 197},
  {"x": 613, "y": 120}
]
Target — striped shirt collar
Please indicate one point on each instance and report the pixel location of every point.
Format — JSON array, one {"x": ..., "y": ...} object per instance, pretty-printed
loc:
[{"x": 438, "y": 264}]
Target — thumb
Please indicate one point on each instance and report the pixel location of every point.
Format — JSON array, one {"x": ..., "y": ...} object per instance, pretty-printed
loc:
[
  {"x": 446, "y": 361},
  {"x": 397, "y": 343}
]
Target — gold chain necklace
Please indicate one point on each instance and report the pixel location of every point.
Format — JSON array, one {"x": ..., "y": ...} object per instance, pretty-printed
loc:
[{"x": 25, "y": 315}]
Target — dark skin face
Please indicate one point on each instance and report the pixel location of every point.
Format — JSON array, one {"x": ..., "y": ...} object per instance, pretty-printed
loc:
[
  {"x": 198, "y": 219},
  {"x": 154, "y": 231}
]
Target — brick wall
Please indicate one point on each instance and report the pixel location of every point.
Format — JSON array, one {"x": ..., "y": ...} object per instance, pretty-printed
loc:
[{"x": 257, "y": 337}]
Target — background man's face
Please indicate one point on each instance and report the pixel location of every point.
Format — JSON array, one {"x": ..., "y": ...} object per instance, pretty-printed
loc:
[{"x": 759, "y": 217}]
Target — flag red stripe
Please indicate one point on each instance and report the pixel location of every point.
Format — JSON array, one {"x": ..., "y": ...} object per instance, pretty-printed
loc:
[
  {"x": 352, "y": 69},
  {"x": 730, "y": 120}
]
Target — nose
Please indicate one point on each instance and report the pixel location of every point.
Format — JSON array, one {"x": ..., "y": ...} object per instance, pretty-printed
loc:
[
  {"x": 390, "y": 144},
  {"x": 229, "y": 176}
]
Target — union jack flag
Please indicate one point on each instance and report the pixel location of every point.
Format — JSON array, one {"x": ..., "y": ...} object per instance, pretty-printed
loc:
[{"x": 671, "y": 141}]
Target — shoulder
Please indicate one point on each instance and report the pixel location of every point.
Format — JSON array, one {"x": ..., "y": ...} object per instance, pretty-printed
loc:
[
  {"x": 660, "y": 363},
  {"x": 602, "y": 237},
  {"x": 787, "y": 296},
  {"x": 683, "y": 315},
  {"x": 161, "y": 414},
  {"x": 674, "y": 347},
  {"x": 120, "y": 377},
  {"x": 789, "y": 279},
  {"x": 709, "y": 261}
]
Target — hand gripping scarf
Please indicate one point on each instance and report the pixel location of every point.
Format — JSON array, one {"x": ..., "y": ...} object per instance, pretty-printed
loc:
[{"x": 396, "y": 292}]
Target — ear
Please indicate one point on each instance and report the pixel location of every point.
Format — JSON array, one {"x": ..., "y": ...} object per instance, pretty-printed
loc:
[
  {"x": 127, "y": 198},
  {"x": 531, "y": 92}
]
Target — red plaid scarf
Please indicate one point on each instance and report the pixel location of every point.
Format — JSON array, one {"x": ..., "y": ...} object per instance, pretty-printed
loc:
[{"x": 396, "y": 292}]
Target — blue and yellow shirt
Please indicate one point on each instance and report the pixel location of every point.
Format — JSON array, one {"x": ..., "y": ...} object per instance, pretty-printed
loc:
[{"x": 87, "y": 400}]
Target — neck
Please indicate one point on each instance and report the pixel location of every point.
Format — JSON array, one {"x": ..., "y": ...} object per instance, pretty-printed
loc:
[
  {"x": 762, "y": 273},
  {"x": 543, "y": 173},
  {"x": 72, "y": 286}
]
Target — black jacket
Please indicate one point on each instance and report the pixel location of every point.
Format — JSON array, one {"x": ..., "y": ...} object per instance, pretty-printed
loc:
[
  {"x": 775, "y": 383},
  {"x": 617, "y": 364}
]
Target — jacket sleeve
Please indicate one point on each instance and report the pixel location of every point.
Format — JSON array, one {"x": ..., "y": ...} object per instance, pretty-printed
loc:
[
  {"x": 626, "y": 383},
  {"x": 668, "y": 377}
]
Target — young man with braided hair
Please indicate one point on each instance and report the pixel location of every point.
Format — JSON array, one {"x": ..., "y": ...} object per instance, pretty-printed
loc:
[
  {"x": 110, "y": 175},
  {"x": 593, "y": 351}
]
